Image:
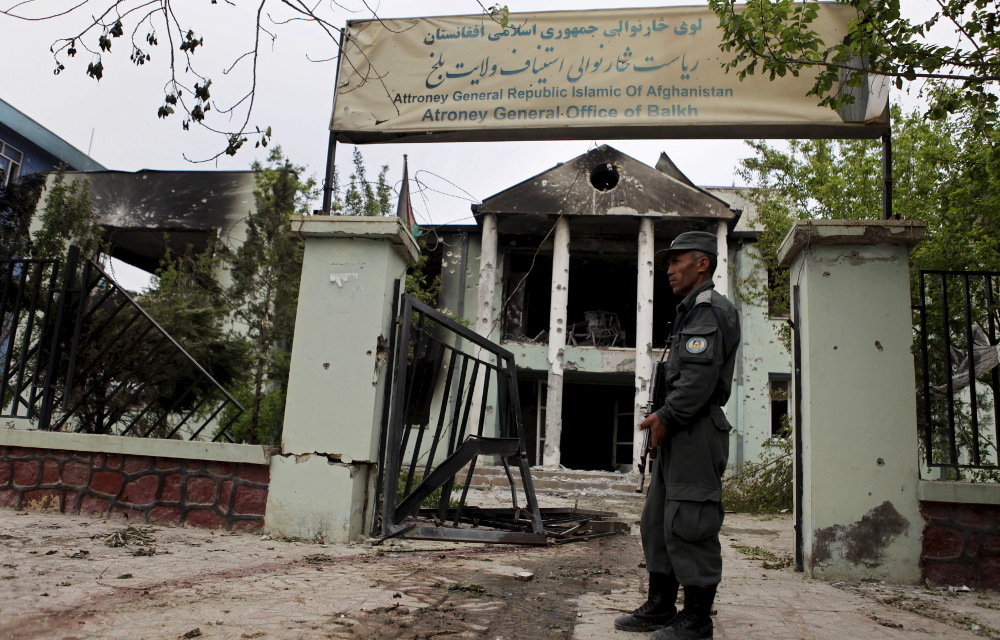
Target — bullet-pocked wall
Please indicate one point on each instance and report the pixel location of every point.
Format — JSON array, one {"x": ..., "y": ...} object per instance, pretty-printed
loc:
[{"x": 596, "y": 217}]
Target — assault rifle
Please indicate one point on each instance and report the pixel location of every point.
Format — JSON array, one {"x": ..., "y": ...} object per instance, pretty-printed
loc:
[{"x": 657, "y": 396}]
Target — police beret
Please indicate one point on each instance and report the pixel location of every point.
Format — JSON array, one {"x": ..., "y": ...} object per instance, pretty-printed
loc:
[{"x": 696, "y": 241}]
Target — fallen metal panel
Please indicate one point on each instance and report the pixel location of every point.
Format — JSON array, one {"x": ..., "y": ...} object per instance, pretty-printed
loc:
[
  {"x": 511, "y": 526},
  {"x": 473, "y": 535}
]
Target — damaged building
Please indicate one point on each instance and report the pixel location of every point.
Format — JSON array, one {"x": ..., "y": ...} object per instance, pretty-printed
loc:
[
  {"x": 567, "y": 270},
  {"x": 148, "y": 214}
]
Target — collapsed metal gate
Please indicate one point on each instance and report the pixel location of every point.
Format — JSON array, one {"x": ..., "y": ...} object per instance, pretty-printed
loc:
[
  {"x": 444, "y": 380},
  {"x": 454, "y": 401},
  {"x": 78, "y": 354}
]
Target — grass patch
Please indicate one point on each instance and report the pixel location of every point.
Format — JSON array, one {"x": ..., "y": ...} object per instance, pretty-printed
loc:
[{"x": 769, "y": 560}]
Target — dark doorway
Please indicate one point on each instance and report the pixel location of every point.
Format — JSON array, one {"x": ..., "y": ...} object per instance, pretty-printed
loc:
[
  {"x": 532, "y": 396},
  {"x": 590, "y": 414}
]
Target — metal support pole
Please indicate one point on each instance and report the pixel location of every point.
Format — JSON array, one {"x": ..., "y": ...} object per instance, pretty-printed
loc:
[
  {"x": 887, "y": 175},
  {"x": 331, "y": 157}
]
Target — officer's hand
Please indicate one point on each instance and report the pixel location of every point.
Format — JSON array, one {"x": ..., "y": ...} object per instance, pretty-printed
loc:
[{"x": 657, "y": 430}]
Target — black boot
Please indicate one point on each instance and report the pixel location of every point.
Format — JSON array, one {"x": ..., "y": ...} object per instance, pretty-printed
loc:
[
  {"x": 659, "y": 608},
  {"x": 695, "y": 621}
]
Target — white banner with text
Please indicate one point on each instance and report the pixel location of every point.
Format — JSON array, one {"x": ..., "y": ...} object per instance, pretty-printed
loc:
[{"x": 622, "y": 72}]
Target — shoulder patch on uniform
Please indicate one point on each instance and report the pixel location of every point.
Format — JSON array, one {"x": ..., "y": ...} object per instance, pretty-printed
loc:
[
  {"x": 697, "y": 344},
  {"x": 705, "y": 297}
]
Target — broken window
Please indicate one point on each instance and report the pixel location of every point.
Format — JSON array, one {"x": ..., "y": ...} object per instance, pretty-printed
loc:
[
  {"x": 777, "y": 385},
  {"x": 532, "y": 392},
  {"x": 777, "y": 293},
  {"x": 601, "y": 310},
  {"x": 602, "y": 298},
  {"x": 527, "y": 296},
  {"x": 10, "y": 164}
]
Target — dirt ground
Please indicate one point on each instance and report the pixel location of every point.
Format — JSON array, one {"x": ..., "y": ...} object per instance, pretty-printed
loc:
[{"x": 71, "y": 577}]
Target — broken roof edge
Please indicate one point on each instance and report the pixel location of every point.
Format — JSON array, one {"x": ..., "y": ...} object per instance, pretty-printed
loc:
[
  {"x": 651, "y": 215},
  {"x": 478, "y": 212},
  {"x": 533, "y": 196},
  {"x": 666, "y": 165},
  {"x": 447, "y": 227}
]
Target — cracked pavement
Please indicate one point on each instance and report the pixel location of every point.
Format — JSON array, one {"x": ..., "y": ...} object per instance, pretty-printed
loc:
[{"x": 76, "y": 577}]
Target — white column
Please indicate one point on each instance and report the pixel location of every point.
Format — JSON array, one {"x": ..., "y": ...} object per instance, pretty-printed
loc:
[
  {"x": 722, "y": 270},
  {"x": 485, "y": 322},
  {"x": 337, "y": 376},
  {"x": 856, "y": 440},
  {"x": 557, "y": 342},
  {"x": 643, "y": 327}
]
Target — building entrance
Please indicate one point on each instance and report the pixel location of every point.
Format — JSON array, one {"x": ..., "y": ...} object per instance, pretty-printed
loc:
[{"x": 598, "y": 427}]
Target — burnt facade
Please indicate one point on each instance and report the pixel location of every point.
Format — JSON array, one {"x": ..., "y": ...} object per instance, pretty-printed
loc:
[{"x": 568, "y": 270}]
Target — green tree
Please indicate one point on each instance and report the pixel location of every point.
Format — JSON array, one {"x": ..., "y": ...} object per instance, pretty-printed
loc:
[
  {"x": 777, "y": 38},
  {"x": 421, "y": 283},
  {"x": 67, "y": 218},
  {"x": 265, "y": 271},
  {"x": 942, "y": 173},
  {"x": 187, "y": 301},
  {"x": 18, "y": 201},
  {"x": 361, "y": 197}
]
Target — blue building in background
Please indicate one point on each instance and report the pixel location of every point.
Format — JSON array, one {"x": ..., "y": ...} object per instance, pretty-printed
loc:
[{"x": 27, "y": 147}]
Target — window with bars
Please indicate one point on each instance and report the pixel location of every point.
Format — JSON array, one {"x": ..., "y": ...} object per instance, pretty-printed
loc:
[{"x": 10, "y": 163}]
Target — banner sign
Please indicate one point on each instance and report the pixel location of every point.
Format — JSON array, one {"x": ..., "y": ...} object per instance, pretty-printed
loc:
[{"x": 621, "y": 73}]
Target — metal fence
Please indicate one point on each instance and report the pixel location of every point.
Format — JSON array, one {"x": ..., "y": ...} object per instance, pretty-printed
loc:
[
  {"x": 441, "y": 397},
  {"x": 957, "y": 321},
  {"x": 78, "y": 354},
  {"x": 26, "y": 306}
]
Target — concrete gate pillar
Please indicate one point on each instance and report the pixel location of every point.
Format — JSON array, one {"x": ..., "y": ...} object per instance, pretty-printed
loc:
[
  {"x": 322, "y": 482},
  {"x": 855, "y": 408}
]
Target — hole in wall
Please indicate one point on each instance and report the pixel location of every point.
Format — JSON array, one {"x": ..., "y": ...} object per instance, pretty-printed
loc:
[{"x": 604, "y": 177}]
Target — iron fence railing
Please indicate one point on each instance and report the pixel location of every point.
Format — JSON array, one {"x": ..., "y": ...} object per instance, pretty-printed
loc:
[
  {"x": 26, "y": 305},
  {"x": 450, "y": 387},
  {"x": 79, "y": 354},
  {"x": 957, "y": 323}
]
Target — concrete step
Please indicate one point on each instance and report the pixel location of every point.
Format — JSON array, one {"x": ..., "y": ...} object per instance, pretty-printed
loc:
[{"x": 545, "y": 480}]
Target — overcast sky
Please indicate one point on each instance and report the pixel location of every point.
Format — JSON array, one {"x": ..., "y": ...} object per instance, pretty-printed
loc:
[{"x": 115, "y": 121}]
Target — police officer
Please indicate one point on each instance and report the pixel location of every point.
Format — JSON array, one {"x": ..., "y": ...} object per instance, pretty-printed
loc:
[{"x": 690, "y": 437}]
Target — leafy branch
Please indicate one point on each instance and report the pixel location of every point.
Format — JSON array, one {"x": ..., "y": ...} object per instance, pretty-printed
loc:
[
  {"x": 96, "y": 26},
  {"x": 778, "y": 38}
]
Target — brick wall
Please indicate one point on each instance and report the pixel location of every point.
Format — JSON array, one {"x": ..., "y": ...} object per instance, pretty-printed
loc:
[
  {"x": 961, "y": 544},
  {"x": 214, "y": 495}
]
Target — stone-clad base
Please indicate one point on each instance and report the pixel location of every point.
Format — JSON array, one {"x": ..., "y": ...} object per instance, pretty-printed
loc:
[
  {"x": 961, "y": 544},
  {"x": 215, "y": 495}
]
